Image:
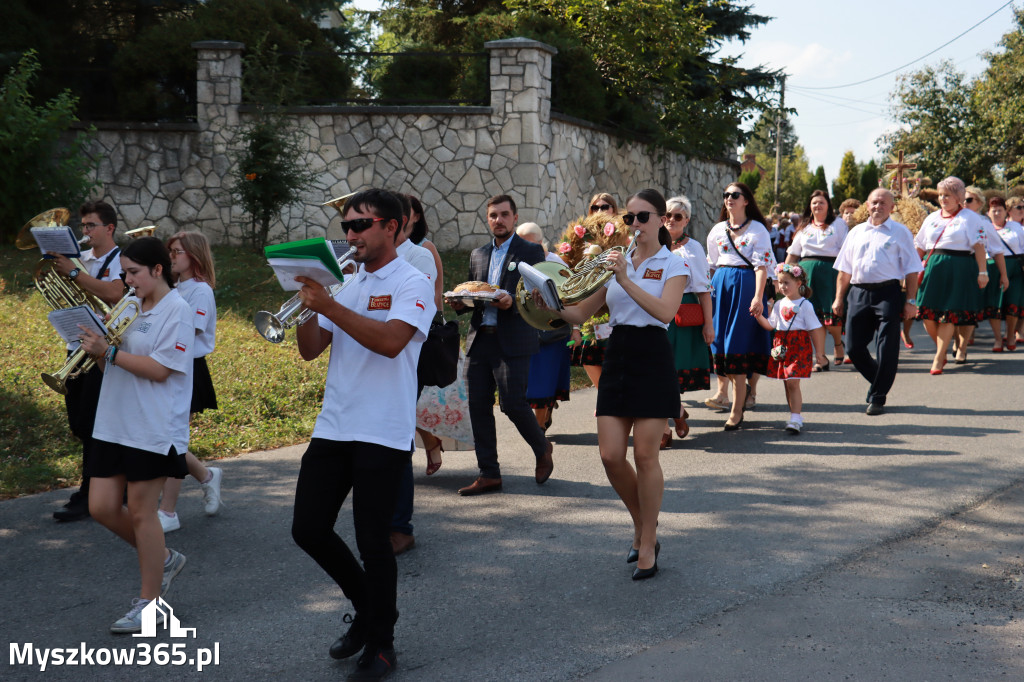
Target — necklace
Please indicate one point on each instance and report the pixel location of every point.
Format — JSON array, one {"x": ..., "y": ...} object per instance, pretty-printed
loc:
[
  {"x": 739, "y": 227},
  {"x": 822, "y": 224}
]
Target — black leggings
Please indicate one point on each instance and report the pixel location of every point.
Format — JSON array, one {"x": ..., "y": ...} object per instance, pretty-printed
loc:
[{"x": 330, "y": 469}]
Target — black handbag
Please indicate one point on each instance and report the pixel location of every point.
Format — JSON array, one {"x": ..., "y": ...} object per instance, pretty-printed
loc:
[{"x": 439, "y": 355}]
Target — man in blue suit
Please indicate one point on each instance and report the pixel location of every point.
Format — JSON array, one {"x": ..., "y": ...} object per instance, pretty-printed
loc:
[{"x": 499, "y": 346}]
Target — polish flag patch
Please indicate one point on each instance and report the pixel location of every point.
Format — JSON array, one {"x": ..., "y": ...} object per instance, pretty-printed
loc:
[
  {"x": 420, "y": 304},
  {"x": 179, "y": 346},
  {"x": 200, "y": 311}
]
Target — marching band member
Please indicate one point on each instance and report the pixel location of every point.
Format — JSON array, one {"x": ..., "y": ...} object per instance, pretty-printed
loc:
[
  {"x": 141, "y": 432},
  {"x": 192, "y": 267},
  {"x": 101, "y": 277},
  {"x": 638, "y": 389},
  {"x": 363, "y": 439}
]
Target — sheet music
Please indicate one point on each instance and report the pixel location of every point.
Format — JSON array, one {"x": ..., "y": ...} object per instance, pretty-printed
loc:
[
  {"x": 535, "y": 279},
  {"x": 57, "y": 239},
  {"x": 66, "y": 322},
  {"x": 287, "y": 269}
]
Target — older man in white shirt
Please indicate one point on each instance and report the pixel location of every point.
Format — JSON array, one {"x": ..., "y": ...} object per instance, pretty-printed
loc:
[{"x": 874, "y": 258}]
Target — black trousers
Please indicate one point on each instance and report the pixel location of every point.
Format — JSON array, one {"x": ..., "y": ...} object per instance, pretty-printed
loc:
[
  {"x": 875, "y": 316},
  {"x": 329, "y": 470},
  {"x": 490, "y": 368},
  {"x": 81, "y": 399}
]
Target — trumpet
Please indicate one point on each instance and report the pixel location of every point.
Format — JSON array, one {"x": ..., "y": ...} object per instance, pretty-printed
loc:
[
  {"x": 272, "y": 326},
  {"x": 80, "y": 362}
]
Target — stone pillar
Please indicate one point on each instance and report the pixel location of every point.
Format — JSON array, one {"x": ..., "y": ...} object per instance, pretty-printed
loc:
[
  {"x": 218, "y": 96},
  {"x": 520, "y": 79}
]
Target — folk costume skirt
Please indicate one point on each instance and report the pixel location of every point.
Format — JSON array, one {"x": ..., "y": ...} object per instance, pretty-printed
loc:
[
  {"x": 1013, "y": 298},
  {"x": 949, "y": 291},
  {"x": 690, "y": 354},
  {"x": 821, "y": 278},
  {"x": 799, "y": 355},
  {"x": 549, "y": 375},
  {"x": 992, "y": 299},
  {"x": 637, "y": 377},
  {"x": 741, "y": 345}
]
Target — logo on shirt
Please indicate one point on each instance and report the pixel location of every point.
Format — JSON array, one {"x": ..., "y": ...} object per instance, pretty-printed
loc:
[
  {"x": 379, "y": 303},
  {"x": 179, "y": 346},
  {"x": 105, "y": 274},
  {"x": 788, "y": 314},
  {"x": 143, "y": 327},
  {"x": 653, "y": 274},
  {"x": 420, "y": 304}
]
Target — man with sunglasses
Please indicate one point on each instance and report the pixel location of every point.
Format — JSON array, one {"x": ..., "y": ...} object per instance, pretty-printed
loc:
[
  {"x": 363, "y": 437},
  {"x": 101, "y": 276},
  {"x": 499, "y": 346}
]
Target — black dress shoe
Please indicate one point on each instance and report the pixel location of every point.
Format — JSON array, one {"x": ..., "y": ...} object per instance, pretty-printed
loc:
[
  {"x": 349, "y": 644},
  {"x": 75, "y": 510},
  {"x": 375, "y": 664}
]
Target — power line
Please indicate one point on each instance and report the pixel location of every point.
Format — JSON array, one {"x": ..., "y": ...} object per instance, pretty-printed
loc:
[
  {"x": 838, "y": 104},
  {"x": 860, "y": 100},
  {"x": 900, "y": 68}
]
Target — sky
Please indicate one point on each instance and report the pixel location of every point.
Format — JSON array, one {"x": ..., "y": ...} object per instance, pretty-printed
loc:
[{"x": 830, "y": 43}]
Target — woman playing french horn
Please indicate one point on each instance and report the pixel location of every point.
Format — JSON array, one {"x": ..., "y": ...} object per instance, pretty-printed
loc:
[
  {"x": 141, "y": 431},
  {"x": 638, "y": 387}
]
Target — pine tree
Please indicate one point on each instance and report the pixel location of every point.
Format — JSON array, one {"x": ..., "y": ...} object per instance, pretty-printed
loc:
[
  {"x": 846, "y": 185},
  {"x": 819, "y": 180},
  {"x": 868, "y": 179}
]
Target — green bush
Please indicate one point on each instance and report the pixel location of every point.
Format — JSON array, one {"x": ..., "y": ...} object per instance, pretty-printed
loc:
[{"x": 43, "y": 164}]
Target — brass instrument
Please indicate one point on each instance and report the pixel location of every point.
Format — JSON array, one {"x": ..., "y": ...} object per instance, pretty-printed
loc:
[
  {"x": 144, "y": 231},
  {"x": 272, "y": 326},
  {"x": 339, "y": 202},
  {"x": 80, "y": 362},
  {"x": 573, "y": 285}
]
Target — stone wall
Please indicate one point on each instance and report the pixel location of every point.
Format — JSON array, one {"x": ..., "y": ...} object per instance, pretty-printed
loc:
[{"x": 453, "y": 158}]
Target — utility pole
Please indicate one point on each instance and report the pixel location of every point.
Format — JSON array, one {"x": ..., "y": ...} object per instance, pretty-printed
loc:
[{"x": 778, "y": 142}]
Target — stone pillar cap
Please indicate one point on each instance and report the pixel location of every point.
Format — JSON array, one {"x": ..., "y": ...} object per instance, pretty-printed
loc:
[
  {"x": 519, "y": 43},
  {"x": 218, "y": 45}
]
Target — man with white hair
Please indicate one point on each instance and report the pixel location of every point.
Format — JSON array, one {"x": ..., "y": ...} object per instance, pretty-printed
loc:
[{"x": 874, "y": 258}]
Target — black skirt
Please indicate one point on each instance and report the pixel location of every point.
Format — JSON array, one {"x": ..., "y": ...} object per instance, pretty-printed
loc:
[
  {"x": 203, "y": 395},
  {"x": 113, "y": 459},
  {"x": 638, "y": 377}
]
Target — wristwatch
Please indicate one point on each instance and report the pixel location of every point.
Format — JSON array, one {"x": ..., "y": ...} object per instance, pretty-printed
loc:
[
  {"x": 74, "y": 273},
  {"x": 912, "y": 301}
]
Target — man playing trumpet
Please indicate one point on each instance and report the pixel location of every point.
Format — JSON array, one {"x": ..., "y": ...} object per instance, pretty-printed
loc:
[
  {"x": 101, "y": 276},
  {"x": 363, "y": 437}
]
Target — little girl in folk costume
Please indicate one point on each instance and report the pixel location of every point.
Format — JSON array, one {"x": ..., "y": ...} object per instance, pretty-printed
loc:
[{"x": 797, "y": 329}]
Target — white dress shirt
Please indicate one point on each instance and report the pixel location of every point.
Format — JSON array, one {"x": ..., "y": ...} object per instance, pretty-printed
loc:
[{"x": 878, "y": 253}]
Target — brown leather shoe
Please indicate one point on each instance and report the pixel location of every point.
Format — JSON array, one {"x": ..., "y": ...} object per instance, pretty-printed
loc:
[
  {"x": 480, "y": 486},
  {"x": 545, "y": 465},
  {"x": 401, "y": 542}
]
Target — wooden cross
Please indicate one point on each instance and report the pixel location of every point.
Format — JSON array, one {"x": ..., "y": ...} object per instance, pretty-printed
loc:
[{"x": 899, "y": 167}]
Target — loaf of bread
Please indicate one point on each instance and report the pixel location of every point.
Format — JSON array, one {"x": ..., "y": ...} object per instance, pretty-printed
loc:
[{"x": 474, "y": 288}]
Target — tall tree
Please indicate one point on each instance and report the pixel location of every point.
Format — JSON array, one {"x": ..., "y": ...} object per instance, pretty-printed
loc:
[
  {"x": 795, "y": 186},
  {"x": 819, "y": 181},
  {"x": 761, "y": 140},
  {"x": 868, "y": 179},
  {"x": 847, "y": 183},
  {"x": 998, "y": 105},
  {"x": 934, "y": 110}
]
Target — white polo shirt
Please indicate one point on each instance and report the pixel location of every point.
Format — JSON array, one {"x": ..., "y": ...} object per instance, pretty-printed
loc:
[
  {"x": 693, "y": 255},
  {"x": 369, "y": 397},
  {"x": 790, "y": 315},
  {"x": 878, "y": 253},
  {"x": 651, "y": 277},
  {"x": 419, "y": 257},
  {"x": 199, "y": 297},
  {"x": 144, "y": 414},
  {"x": 815, "y": 241}
]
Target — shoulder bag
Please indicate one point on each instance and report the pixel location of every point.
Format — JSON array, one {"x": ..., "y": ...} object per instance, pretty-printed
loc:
[{"x": 439, "y": 356}]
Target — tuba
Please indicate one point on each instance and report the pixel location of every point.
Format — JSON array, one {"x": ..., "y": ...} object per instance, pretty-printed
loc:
[
  {"x": 573, "y": 286},
  {"x": 80, "y": 362}
]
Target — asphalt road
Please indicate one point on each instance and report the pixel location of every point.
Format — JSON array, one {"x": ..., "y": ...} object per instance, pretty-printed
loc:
[{"x": 881, "y": 547}]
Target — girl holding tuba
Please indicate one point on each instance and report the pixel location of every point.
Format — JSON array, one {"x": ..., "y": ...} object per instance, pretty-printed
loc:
[
  {"x": 638, "y": 389},
  {"x": 141, "y": 431}
]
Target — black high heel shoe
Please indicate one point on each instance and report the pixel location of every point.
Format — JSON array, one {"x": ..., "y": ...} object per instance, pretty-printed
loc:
[
  {"x": 644, "y": 573},
  {"x": 634, "y": 554}
]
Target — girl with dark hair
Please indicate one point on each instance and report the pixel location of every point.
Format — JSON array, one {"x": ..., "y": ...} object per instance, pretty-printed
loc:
[
  {"x": 815, "y": 246},
  {"x": 638, "y": 390},
  {"x": 740, "y": 253},
  {"x": 192, "y": 267},
  {"x": 141, "y": 432}
]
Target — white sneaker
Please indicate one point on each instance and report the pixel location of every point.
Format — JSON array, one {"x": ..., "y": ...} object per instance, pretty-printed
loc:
[
  {"x": 168, "y": 522},
  {"x": 211, "y": 492},
  {"x": 794, "y": 427},
  {"x": 131, "y": 621},
  {"x": 171, "y": 569}
]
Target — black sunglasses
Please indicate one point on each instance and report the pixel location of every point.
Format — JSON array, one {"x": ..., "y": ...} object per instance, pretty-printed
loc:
[
  {"x": 677, "y": 216},
  {"x": 732, "y": 195},
  {"x": 357, "y": 225},
  {"x": 969, "y": 200},
  {"x": 641, "y": 217},
  {"x": 600, "y": 207}
]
